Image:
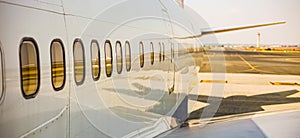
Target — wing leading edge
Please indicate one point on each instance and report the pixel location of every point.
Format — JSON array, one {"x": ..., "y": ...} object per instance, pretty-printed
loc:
[{"x": 229, "y": 29}]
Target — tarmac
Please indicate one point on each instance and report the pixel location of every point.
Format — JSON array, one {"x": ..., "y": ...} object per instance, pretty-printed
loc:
[
  {"x": 244, "y": 93},
  {"x": 238, "y": 60}
]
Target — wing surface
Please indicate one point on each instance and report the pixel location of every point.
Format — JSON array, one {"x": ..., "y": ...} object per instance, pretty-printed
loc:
[{"x": 228, "y": 29}]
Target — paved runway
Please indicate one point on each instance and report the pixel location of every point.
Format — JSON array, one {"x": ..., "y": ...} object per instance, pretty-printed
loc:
[
  {"x": 237, "y": 60},
  {"x": 255, "y": 83}
]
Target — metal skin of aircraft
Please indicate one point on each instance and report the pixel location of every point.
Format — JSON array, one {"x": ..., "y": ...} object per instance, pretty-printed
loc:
[{"x": 95, "y": 68}]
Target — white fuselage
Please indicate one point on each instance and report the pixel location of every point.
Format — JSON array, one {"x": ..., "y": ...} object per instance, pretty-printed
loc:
[{"x": 134, "y": 101}]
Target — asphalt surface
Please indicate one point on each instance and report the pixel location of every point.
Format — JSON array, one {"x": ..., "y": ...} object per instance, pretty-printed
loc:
[
  {"x": 248, "y": 91},
  {"x": 237, "y": 60}
]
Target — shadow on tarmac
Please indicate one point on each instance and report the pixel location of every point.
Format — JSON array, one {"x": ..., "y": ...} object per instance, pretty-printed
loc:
[{"x": 240, "y": 104}]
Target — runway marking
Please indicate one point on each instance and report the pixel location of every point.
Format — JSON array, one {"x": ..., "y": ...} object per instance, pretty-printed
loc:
[
  {"x": 213, "y": 81},
  {"x": 285, "y": 83},
  {"x": 252, "y": 67}
]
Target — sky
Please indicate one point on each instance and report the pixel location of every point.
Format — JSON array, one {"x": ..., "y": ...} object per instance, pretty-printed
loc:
[{"x": 227, "y": 13}]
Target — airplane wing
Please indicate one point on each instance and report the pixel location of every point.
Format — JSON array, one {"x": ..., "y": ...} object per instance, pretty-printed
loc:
[{"x": 228, "y": 29}]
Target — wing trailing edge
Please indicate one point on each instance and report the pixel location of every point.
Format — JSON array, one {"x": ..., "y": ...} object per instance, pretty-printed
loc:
[{"x": 229, "y": 29}]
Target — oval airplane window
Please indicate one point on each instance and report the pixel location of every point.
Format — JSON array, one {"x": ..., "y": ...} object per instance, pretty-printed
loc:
[
  {"x": 108, "y": 58},
  {"x": 141, "y": 54},
  {"x": 171, "y": 52},
  {"x": 119, "y": 59},
  {"x": 128, "y": 56},
  {"x": 30, "y": 68},
  {"x": 79, "y": 62},
  {"x": 152, "y": 53},
  {"x": 58, "y": 67},
  {"x": 95, "y": 57},
  {"x": 160, "y": 52},
  {"x": 1, "y": 75},
  {"x": 163, "y": 53}
]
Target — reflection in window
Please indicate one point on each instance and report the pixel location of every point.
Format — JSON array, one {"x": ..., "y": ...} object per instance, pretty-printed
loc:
[
  {"x": 58, "y": 68},
  {"x": 108, "y": 58},
  {"x": 141, "y": 54},
  {"x": 95, "y": 57},
  {"x": 1, "y": 75},
  {"x": 160, "y": 52},
  {"x": 30, "y": 68},
  {"x": 119, "y": 59},
  {"x": 128, "y": 56},
  {"x": 152, "y": 53},
  {"x": 79, "y": 61}
]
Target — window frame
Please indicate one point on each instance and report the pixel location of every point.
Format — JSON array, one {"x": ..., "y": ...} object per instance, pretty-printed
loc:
[
  {"x": 99, "y": 61},
  {"x": 160, "y": 52},
  {"x": 142, "y": 56},
  {"x": 105, "y": 55},
  {"x": 83, "y": 59},
  {"x": 164, "y": 54},
  {"x": 64, "y": 63},
  {"x": 2, "y": 95},
  {"x": 35, "y": 45},
  {"x": 128, "y": 52}
]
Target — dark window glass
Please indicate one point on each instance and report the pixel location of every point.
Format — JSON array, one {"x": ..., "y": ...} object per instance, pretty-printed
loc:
[
  {"x": 152, "y": 54},
  {"x": 79, "y": 61},
  {"x": 30, "y": 68},
  {"x": 141, "y": 54},
  {"x": 108, "y": 58},
  {"x": 119, "y": 59},
  {"x": 95, "y": 57},
  {"x": 128, "y": 56},
  {"x": 58, "y": 67}
]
